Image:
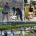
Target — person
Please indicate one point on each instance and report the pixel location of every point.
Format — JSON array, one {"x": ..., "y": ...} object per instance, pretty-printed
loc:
[
  {"x": 5, "y": 33},
  {"x": 20, "y": 31},
  {"x": 24, "y": 28},
  {"x": 31, "y": 31},
  {"x": 13, "y": 9},
  {"x": 11, "y": 30},
  {"x": 24, "y": 10},
  {"x": 12, "y": 33},
  {"x": 35, "y": 8},
  {"x": 35, "y": 30},
  {"x": 5, "y": 11},
  {"x": 20, "y": 27},
  {"x": 1, "y": 31},
  {"x": 19, "y": 13},
  {"x": 33, "y": 27},
  {"x": 30, "y": 10}
]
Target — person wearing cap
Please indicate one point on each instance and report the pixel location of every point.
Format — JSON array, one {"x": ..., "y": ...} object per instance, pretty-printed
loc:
[
  {"x": 5, "y": 11},
  {"x": 13, "y": 9},
  {"x": 35, "y": 8}
]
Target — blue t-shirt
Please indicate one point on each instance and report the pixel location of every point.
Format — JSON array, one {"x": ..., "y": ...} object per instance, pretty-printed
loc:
[
  {"x": 11, "y": 34},
  {"x": 5, "y": 9}
]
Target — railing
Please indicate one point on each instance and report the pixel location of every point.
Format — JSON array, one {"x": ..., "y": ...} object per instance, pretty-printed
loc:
[{"x": 17, "y": 22}]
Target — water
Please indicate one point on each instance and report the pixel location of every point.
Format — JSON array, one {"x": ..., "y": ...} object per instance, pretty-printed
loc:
[
  {"x": 15, "y": 32},
  {"x": 18, "y": 32}
]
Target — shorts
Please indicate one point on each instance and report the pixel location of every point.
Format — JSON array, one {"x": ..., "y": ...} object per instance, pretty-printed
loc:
[
  {"x": 4, "y": 13},
  {"x": 30, "y": 12}
]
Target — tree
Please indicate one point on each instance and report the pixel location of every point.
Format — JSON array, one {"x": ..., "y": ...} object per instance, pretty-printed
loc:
[
  {"x": 25, "y": 1},
  {"x": 31, "y": 1}
]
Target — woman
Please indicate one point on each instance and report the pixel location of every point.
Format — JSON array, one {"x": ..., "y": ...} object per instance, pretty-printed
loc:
[
  {"x": 35, "y": 8},
  {"x": 30, "y": 11},
  {"x": 24, "y": 10},
  {"x": 5, "y": 11}
]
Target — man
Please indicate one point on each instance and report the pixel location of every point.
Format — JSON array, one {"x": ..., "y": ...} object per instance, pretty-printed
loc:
[
  {"x": 5, "y": 11},
  {"x": 24, "y": 10},
  {"x": 13, "y": 9},
  {"x": 19, "y": 13},
  {"x": 5, "y": 33},
  {"x": 35, "y": 8},
  {"x": 1, "y": 31}
]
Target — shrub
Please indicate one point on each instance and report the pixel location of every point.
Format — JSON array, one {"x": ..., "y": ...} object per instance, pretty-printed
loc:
[
  {"x": 26, "y": 14},
  {"x": 33, "y": 2},
  {"x": 1, "y": 9}
]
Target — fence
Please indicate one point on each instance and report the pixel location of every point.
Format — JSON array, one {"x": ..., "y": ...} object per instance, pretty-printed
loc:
[
  {"x": 17, "y": 23},
  {"x": 12, "y": 3}
]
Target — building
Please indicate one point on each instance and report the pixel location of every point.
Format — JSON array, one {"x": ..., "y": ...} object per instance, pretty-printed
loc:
[
  {"x": 34, "y": 0},
  {"x": 29, "y": 1},
  {"x": 12, "y": 3}
]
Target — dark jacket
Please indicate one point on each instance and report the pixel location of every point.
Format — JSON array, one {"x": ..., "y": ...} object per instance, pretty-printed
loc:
[{"x": 18, "y": 11}]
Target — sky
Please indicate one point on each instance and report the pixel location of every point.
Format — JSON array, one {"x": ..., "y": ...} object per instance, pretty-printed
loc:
[
  {"x": 34, "y": 0},
  {"x": 29, "y": 1}
]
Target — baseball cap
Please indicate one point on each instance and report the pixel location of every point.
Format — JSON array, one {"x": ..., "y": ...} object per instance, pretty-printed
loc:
[{"x": 7, "y": 3}]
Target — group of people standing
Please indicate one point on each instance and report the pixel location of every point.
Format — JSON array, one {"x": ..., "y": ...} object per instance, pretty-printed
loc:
[
  {"x": 6, "y": 10},
  {"x": 30, "y": 10},
  {"x": 18, "y": 12}
]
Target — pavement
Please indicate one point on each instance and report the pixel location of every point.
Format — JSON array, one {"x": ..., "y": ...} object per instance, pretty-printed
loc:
[
  {"x": 31, "y": 19},
  {"x": 12, "y": 17}
]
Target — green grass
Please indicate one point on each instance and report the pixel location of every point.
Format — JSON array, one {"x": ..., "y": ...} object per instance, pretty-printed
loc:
[
  {"x": 5, "y": 27},
  {"x": 23, "y": 35},
  {"x": 30, "y": 34},
  {"x": 15, "y": 35}
]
